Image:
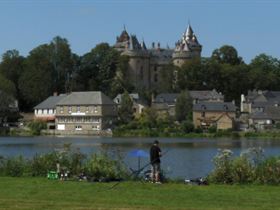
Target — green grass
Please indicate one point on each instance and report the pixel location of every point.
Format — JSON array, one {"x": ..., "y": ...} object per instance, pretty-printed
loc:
[{"x": 40, "y": 193}]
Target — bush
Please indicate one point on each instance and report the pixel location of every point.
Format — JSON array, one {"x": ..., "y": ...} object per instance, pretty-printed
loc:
[
  {"x": 187, "y": 126},
  {"x": 101, "y": 166},
  {"x": 16, "y": 166},
  {"x": 268, "y": 172},
  {"x": 37, "y": 126},
  {"x": 212, "y": 129},
  {"x": 223, "y": 164},
  {"x": 242, "y": 170}
]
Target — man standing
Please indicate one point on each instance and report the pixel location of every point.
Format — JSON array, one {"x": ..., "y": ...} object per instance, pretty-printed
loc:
[{"x": 155, "y": 154}]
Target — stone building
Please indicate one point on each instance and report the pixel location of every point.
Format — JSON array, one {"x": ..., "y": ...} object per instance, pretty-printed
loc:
[
  {"x": 46, "y": 110},
  {"x": 219, "y": 114},
  {"x": 165, "y": 102},
  {"x": 85, "y": 113},
  {"x": 146, "y": 64},
  {"x": 260, "y": 108}
]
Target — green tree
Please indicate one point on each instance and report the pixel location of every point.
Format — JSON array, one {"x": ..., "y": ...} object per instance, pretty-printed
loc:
[
  {"x": 148, "y": 118},
  {"x": 167, "y": 79},
  {"x": 226, "y": 55},
  {"x": 98, "y": 69},
  {"x": 190, "y": 76},
  {"x": 264, "y": 73},
  {"x": 11, "y": 68},
  {"x": 183, "y": 106},
  {"x": 125, "y": 111},
  {"x": 121, "y": 82},
  {"x": 63, "y": 62},
  {"x": 36, "y": 81}
]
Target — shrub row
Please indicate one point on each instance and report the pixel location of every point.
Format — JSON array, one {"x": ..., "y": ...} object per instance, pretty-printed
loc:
[
  {"x": 96, "y": 166},
  {"x": 250, "y": 167}
]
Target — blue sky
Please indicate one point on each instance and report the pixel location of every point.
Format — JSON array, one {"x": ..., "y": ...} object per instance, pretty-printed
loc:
[{"x": 251, "y": 26}]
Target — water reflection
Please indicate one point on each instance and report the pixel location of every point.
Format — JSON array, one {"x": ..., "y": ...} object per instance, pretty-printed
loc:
[{"x": 186, "y": 158}]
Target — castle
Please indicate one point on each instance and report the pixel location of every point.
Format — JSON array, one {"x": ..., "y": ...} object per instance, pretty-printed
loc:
[{"x": 145, "y": 64}]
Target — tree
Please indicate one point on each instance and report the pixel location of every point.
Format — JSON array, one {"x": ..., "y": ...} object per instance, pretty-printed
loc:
[
  {"x": 183, "y": 106},
  {"x": 226, "y": 55},
  {"x": 264, "y": 73},
  {"x": 190, "y": 76},
  {"x": 121, "y": 82},
  {"x": 98, "y": 68},
  {"x": 11, "y": 68},
  {"x": 36, "y": 82},
  {"x": 62, "y": 60},
  {"x": 125, "y": 111},
  {"x": 167, "y": 79}
]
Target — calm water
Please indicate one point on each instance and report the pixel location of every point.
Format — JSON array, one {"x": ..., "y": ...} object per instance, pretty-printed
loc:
[{"x": 184, "y": 158}]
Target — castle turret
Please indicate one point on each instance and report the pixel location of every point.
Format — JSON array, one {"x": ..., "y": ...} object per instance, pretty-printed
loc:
[{"x": 186, "y": 48}]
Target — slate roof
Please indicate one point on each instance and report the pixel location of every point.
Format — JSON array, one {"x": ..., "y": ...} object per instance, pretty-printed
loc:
[
  {"x": 166, "y": 98},
  {"x": 270, "y": 112},
  {"x": 134, "y": 96},
  {"x": 214, "y": 106},
  {"x": 50, "y": 102},
  {"x": 86, "y": 98},
  {"x": 206, "y": 95},
  {"x": 195, "y": 94},
  {"x": 263, "y": 96}
]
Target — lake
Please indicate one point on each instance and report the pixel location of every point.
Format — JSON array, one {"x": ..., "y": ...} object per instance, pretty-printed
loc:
[{"x": 183, "y": 158}]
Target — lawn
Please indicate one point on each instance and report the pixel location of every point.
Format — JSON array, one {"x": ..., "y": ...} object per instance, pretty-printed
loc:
[{"x": 40, "y": 193}]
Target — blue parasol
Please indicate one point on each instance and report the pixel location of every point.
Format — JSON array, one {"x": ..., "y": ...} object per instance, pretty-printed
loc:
[{"x": 138, "y": 153}]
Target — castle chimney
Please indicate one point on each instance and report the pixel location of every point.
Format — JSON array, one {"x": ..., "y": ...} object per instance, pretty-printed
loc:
[
  {"x": 158, "y": 45},
  {"x": 153, "y": 45}
]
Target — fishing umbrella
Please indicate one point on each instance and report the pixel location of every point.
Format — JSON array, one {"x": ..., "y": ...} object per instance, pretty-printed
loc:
[{"x": 138, "y": 153}]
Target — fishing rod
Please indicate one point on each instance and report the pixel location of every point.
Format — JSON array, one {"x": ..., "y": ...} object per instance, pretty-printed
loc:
[{"x": 137, "y": 172}]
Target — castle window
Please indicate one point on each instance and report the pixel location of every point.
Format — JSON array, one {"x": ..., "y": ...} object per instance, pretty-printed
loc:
[
  {"x": 155, "y": 68},
  {"x": 141, "y": 73},
  {"x": 155, "y": 78},
  {"x": 202, "y": 114}
]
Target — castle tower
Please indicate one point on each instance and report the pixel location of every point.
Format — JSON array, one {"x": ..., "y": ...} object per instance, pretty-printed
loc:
[
  {"x": 187, "y": 48},
  {"x": 139, "y": 61}
]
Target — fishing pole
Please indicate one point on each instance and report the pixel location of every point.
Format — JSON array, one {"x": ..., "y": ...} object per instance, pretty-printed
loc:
[{"x": 137, "y": 172}]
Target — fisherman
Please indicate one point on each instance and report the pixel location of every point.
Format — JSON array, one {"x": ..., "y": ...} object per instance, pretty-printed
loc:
[{"x": 155, "y": 154}]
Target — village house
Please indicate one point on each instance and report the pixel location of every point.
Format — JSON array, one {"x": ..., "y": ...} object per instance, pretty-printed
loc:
[
  {"x": 219, "y": 114},
  {"x": 261, "y": 109},
  {"x": 138, "y": 104},
  {"x": 46, "y": 110},
  {"x": 85, "y": 113},
  {"x": 165, "y": 102}
]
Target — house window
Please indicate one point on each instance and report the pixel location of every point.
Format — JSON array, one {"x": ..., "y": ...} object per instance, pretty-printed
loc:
[
  {"x": 96, "y": 127},
  {"x": 61, "y": 109},
  {"x": 87, "y": 109},
  {"x": 78, "y": 108},
  {"x": 69, "y": 109},
  {"x": 95, "y": 109},
  {"x": 202, "y": 114},
  {"x": 78, "y": 128}
]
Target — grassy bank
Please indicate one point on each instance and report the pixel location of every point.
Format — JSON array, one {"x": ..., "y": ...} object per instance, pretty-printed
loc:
[{"x": 40, "y": 193}]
